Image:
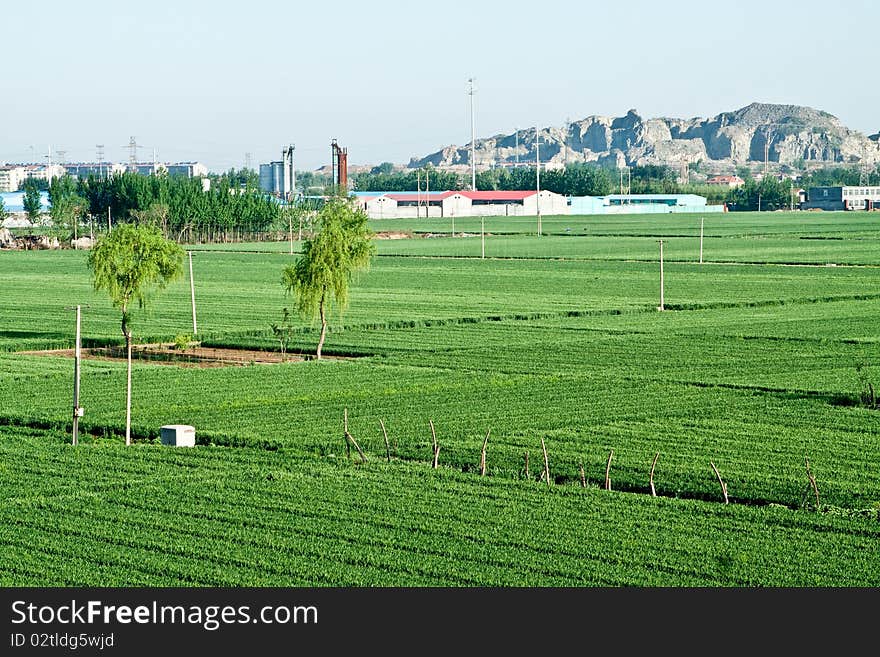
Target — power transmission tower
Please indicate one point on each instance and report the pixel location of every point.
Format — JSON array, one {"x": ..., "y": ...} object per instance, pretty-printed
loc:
[
  {"x": 248, "y": 161},
  {"x": 99, "y": 154},
  {"x": 132, "y": 151},
  {"x": 62, "y": 157}
]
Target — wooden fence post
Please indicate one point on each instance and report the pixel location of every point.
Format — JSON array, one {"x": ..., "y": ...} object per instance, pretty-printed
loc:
[
  {"x": 608, "y": 471},
  {"x": 435, "y": 443},
  {"x": 546, "y": 461},
  {"x": 720, "y": 481},
  {"x": 387, "y": 446},
  {"x": 654, "y": 463}
]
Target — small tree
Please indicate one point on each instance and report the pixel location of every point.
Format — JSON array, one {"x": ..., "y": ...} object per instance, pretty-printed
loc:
[
  {"x": 341, "y": 246},
  {"x": 283, "y": 332},
  {"x": 33, "y": 204},
  {"x": 130, "y": 263},
  {"x": 3, "y": 212},
  {"x": 155, "y": 215}
]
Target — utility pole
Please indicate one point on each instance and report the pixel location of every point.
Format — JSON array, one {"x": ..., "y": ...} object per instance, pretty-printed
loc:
[
  {"x": 482, "y": 238},
  {"x": 192, "y": 292},
  {"x": 661, "y": 276},
  {"x": 701, "y": 240},
  {"x": 473, "y": 137},
  {"x": 108, "y": 219},
  {"x": 289, "y": 229},
  {"x": 538, "y": 176},
  {"x": 77, "y": 410}
]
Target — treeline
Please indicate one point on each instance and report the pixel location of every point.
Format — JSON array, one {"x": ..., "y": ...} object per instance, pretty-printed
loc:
[{"x": 232, "y": 208}]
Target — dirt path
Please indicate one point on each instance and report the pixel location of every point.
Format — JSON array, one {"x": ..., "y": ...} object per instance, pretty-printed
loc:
[{"x": 167, "y": 354}]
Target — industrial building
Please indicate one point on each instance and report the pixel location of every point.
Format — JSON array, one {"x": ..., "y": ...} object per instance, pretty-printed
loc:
[
  {"x": 640, "y": 204},
  {"x": 846, "y": 197},
  {"x": 398, "y": 205},
  {"x": 279, "y": 178}
]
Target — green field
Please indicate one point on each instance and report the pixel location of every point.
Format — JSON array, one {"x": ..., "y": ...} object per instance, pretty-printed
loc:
[{"x": 759, "y": 360}]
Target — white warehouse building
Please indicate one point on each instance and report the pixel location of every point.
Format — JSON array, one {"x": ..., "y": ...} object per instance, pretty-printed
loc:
[{"x": 399, "y": 205}]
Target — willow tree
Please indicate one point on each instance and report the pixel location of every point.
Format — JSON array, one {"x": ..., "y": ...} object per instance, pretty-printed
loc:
[
  {"x": 130, "y": 264},
  {"x": 340, "y": 247}
]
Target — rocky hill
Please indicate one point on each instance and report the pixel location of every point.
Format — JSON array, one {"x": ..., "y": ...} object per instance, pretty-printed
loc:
[{"x": 784, "y": 134}]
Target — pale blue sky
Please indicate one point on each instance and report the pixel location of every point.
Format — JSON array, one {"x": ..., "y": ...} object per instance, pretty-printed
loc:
[{"x": 212, "y": 80}]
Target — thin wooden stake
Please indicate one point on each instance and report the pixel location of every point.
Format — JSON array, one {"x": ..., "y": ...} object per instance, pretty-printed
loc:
[
  {"x": 583, "y": 477},
  {"x": 387, "y": 446},
  {"x": 608, "y": 471},
  {"x": 654, "y": 463},
  {"x": 483, "y": 455},
  {"x": 546, "y": 460},
  {"x": 350, "y": 438},
  {"x": 436, "y": 444},
  {"x": 812, "y": 481},
  {"x": 345, "y": 434},
  {"x": 720, "y": 481}
]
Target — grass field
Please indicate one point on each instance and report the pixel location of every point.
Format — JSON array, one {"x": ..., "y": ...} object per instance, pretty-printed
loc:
[{"x": 758, "y": 361}]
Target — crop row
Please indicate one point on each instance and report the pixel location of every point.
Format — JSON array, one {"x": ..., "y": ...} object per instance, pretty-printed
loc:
[
  {"x": 760, "y": 435},
  {"x": 271, "y": 520},
  {"x": 241, "y": 293}
]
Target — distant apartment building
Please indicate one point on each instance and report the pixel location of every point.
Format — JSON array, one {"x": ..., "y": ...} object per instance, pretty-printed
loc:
[
  {"x": 99, "y": 170},
  {"x": 47, "y": 172},
  {"x": 107, "y": 169},
  {"x": 726, "y": 181},
  {"x": 11, "y": 178},
  {"x": 187, "y": 169},
  {"x": 847, "y": 197}
]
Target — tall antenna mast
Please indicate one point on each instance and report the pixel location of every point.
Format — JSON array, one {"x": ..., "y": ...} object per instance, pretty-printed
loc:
[
  {"x": 516, "y": 150},
  {"x": 565, "y": 142},
  {"x": 473, "y": 137}
]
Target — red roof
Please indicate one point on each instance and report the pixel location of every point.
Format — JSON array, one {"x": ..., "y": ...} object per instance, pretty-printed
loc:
[
  {"x": 418, "y": 196},
  {"x": 517, "y": 195}
]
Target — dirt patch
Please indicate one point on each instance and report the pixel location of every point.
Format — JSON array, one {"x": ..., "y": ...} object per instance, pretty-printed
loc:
[
  {"x": 393, "y": 235},
  {"x": 169, "y": 354}
]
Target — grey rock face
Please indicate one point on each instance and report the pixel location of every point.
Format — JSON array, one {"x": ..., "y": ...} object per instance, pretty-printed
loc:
[{"x": 784, "y": 134}]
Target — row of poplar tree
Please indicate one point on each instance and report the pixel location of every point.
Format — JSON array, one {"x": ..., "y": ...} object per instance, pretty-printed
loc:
[{"x": 181, "y": 207}]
